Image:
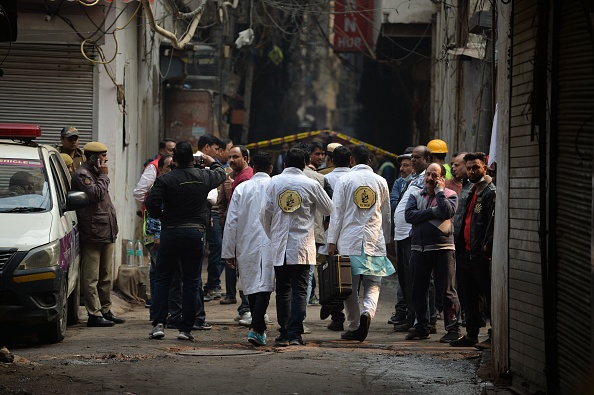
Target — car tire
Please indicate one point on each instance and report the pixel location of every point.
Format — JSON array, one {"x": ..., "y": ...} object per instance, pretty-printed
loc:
[
  {"x": 73, "y": 305},
  {"x": 54, "y": 332}
]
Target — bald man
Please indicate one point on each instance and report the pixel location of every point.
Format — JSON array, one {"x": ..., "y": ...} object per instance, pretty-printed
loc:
[{"x": 430, "y": 211}]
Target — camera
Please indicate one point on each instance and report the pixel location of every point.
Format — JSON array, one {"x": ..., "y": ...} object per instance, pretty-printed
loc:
[{"x": 198, "y": 162}]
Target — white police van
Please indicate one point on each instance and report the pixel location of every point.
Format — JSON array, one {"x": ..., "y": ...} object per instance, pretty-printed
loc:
[{"x": 39, "y": 243}]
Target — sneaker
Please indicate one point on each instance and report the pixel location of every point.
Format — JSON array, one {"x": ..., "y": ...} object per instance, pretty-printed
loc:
[
  {"x": 202, "y": 326},
  {"x": 313, "y": 300},
  {"x": 397, "y": 319},
  {"x": 246, "y": 319},
  {"x": 228, "y": 300},
  {"x": 450, "y": 337},
  {"x": 363, "y": 329},
  {"x": 348, "y": 335},
  {"x": 464, "y": 341},
  {"x": 185, "y": 336},
  {"x": 336, "y": 325},
  {"x": 416, "y": 336},
  {"x": 296, "y": 342},
  {"x": 212, "y": 294},
  {"x": 257, "y": 339},
  {"x": 484, "y": 345},
  {"x": 306, "y": 330},
  {"x": 267, "y": 319},
  {"x": 281, "y": 342},
  {"x": 158, "y": 332},
  {"x": 147, "y": 303}
]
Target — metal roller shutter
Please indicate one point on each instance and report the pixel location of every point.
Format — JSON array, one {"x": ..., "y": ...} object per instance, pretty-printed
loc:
[
  {"x": 526, "y": 333},
  {"x": 47, "y": 84},
  {"x": 573, "y": 170}
]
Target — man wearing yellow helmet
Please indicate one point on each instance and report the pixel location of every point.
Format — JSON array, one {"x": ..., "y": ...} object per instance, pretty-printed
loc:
[{"x": 439, "y": 150}]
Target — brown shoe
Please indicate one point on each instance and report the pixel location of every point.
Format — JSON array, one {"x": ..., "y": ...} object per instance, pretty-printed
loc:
[{"x": 228, "y": 301}]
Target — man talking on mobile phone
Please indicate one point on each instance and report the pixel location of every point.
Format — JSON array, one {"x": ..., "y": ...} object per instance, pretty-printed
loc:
[
  {"x": 98, "y": 230},
  {"x": 430, "y": 211}
]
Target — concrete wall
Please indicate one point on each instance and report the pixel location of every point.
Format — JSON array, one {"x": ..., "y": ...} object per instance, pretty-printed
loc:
[{"x": 131, "y": 132}]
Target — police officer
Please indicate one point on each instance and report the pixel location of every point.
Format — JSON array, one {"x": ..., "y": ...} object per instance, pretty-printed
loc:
[{"x": 98, "y": 230}]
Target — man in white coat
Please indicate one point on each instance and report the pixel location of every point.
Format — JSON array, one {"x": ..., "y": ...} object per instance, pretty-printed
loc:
[
  {"x": 247, "y": 247},
  {"x": 360, "y": 227},
  {"x": 288, "y": 210}
]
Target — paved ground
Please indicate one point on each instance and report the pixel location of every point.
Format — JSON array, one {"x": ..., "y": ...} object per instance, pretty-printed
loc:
[{"x": 122, "y": 360}]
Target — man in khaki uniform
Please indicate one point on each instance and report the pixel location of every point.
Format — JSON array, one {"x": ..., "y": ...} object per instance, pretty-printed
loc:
[
  {"x": 69, "y": 139},
  {"x": 98, "y": 230}
]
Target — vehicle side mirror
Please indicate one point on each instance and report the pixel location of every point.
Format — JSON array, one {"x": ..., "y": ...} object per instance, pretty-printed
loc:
[{"x": 76, "y": 200}]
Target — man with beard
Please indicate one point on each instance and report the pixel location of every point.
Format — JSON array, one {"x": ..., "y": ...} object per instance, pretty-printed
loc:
[
  {"x": 474, "y": 243},
  {"x": 239, "y": 158},
  {"x": 247, "y": 248}
]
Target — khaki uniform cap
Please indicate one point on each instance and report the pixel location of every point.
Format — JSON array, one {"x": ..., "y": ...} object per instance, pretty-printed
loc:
[
  {"x": 67, "y": 159},
  {"x": 332, "y": 146},
  {"x": 95, "y": 146}
]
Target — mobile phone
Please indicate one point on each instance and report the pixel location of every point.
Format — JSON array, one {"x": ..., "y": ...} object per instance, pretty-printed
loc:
[{"x": 95, "y": 159}]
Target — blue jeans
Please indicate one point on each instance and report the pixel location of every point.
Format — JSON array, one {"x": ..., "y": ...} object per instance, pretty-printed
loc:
[
  {"x": 179, "y": 247},
  {"x": 175, "y": 293},
  {"x": 214, "y": 238},
  {"x": 230, "y": 282},
  {"x": 291, "y": 302}
]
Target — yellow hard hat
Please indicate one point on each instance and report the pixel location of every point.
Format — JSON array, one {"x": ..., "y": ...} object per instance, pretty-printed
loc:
[{"x": 437, "y": 146}]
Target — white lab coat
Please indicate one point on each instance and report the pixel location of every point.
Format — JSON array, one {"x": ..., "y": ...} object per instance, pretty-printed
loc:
[
  {"x": 332, "y": 179},
  {"x": 244, "y": 237},
  {"x": 335, "y": 174},
  {"x": 292, "y": 234},
  {"x": 352, "y": 227}
]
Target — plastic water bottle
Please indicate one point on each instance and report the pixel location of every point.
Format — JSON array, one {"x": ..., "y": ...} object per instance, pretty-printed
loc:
[
  {"x": 139, "y": 254},
  {"x": 130, "y": 254}
]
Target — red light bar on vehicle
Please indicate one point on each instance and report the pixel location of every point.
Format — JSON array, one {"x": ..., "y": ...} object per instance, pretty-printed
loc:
[{"x": 19, "y": 131}]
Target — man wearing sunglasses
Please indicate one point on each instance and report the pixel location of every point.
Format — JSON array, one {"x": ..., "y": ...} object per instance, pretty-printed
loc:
[{"x": 69, "y": 139}]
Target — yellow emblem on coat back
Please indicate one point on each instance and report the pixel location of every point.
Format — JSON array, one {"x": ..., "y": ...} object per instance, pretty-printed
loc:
[
  {"x": 289, "y": 201},
  {"x": 364, "y": 197}
]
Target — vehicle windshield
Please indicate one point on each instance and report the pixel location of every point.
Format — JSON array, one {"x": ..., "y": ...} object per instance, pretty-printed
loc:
[{"x": 24, "y": 187}]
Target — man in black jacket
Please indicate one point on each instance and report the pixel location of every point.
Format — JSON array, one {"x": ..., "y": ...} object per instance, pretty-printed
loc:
[
  {"x": 474, "y": 243},
  {"x": 178, "y": 198}
]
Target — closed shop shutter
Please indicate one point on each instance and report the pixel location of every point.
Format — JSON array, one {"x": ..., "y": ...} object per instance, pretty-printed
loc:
[
  {"x": 573, "y": 180},
  {"x": 47, "y": 84},
  {"x": 526, "y": 319}
]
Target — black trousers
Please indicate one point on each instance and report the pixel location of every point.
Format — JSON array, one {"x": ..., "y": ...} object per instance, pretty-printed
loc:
[
  {"x": 476, "y": 274},
  {"x": 258, "y": 306}
]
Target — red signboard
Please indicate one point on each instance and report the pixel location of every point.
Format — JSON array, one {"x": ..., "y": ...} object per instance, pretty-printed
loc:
[{"x": 353, "y": 25}]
